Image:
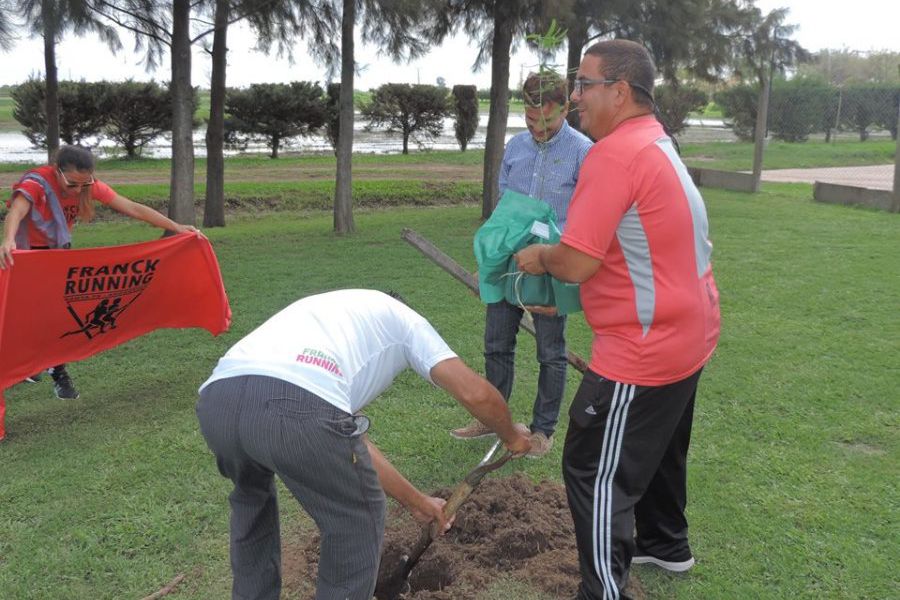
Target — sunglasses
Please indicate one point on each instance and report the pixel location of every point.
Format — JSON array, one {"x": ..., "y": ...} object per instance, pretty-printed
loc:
[
  {"x": 71, "y": 185},
  {"x": 581, "y": 83}
]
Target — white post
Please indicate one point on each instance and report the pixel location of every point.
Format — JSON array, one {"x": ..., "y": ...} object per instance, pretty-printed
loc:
[{"x": 895, "y": 202}]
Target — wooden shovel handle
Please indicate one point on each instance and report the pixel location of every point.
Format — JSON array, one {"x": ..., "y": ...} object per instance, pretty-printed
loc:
[
  {"x": 465, "y": 488},
  {"x": 462, "y": 491},
  {"x": 393, "y": 582}
]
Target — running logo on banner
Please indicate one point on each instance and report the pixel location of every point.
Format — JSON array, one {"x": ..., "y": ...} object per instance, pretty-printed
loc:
[{"x": 96, "y": 296}]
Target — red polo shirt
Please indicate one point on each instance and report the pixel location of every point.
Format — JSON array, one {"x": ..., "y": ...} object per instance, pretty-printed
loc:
[{"x": 653, "y": 304}]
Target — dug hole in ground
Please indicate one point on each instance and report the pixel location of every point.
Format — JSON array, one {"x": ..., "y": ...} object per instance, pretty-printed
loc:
[{"x": 509, "y": 528}]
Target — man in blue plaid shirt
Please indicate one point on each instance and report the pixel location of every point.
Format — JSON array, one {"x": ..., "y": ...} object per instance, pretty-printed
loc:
[{"x": 542, "y": 162}]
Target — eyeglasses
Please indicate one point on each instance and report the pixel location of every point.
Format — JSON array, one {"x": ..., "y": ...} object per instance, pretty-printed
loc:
[
  {"x": 581, "y": 83},
  {"x": 81, "y": 184}
]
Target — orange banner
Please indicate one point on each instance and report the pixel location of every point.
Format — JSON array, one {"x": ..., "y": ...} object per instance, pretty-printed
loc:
[{"x": 59, "y": 306}]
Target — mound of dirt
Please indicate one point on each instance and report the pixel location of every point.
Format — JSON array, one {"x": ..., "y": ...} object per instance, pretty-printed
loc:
[{"x": 510, "y": 528}]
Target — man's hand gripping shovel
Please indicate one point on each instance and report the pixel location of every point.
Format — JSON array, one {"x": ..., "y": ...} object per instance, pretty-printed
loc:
[{"x": 394, "y": 582}]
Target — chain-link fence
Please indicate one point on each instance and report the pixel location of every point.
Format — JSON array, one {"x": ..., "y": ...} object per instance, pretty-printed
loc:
[{"x": 844, "y": 135}]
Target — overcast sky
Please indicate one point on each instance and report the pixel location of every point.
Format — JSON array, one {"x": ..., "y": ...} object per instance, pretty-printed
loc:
[{"x": 857, "y": 25}]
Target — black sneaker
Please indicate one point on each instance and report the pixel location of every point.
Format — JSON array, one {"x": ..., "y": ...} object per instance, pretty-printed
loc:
[
  {"x": 675, "y": 566},
  {"x": 62, "y": 384}
]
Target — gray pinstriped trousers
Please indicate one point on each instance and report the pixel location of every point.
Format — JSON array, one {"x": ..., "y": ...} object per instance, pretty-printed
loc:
[{"x": 261, "y": 426}]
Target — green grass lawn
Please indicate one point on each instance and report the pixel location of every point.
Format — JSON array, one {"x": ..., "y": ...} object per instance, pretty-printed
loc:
[
  {"x": 315, "y": 195},
  {"x": 259, "y": 161},
  {"x": 305, "y": 194},
  {"x": 717, "y": 155},
  {"x": 484, "y": 105},
  {"x": 793, "y": 469},
  {"x": 738, "y": 156},
  {"x": 712, "y": 110}
]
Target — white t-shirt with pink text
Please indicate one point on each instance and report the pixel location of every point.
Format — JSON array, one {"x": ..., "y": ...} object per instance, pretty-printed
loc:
[{"x": 345, "y": 346}]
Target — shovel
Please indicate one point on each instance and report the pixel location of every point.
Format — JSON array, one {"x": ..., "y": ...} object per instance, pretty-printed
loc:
[{"x": 391, "y": 584}]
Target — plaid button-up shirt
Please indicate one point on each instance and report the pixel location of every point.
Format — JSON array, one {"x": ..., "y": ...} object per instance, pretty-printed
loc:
[{"x": 547, "y": 171}]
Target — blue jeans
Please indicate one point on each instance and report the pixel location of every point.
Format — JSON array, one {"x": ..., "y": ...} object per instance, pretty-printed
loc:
[{"x": 501, "y": 327}]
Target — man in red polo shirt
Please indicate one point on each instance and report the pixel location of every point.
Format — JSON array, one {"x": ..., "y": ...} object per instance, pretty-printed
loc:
[
  {"x": 43, "y": 208},
  {"x": 636, "y": 240}
]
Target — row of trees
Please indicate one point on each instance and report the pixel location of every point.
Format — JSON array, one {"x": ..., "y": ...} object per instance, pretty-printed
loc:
[
  {"x": 134, "y": 113},
  {"x": 130, "y": 113},
  {"x": 693, "y": 38},
  {"x": 273, "y": 112},
  {"x": 852, "y": 67},
  {"x": 803, "y": 106}
]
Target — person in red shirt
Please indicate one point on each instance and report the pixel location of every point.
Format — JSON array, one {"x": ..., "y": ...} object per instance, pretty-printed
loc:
[
  {"x": 44, "y": 206},
  {"x": 636, "y": 240}
]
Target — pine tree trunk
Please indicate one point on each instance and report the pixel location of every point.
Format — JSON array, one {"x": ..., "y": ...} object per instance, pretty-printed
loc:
[
  {"x": 51, "y": 92},
  {"x": 181, "y": 196},
  {"x": 759, "y": 136},
  {"x": 343, "y": 198},
  {"x": 499, "y": 112},
  {"x": 577, "y": 38},
  {"x": 214, "y": 209}
]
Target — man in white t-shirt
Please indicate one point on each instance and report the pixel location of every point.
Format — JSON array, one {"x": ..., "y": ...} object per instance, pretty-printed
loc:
[{"x": 285, "y": 399}]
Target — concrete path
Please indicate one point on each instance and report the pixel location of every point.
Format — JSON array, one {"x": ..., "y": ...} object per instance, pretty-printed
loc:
[{"x": 877, "y": 177}]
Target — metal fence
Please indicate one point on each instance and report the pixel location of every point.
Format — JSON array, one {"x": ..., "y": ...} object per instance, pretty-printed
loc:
[{"x": 804, "y": 112}]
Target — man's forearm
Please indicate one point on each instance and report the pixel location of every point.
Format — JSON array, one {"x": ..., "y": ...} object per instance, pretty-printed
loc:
[
  {"x": 487, "y": 405},
  {"x": 497, "y": 417},
  {"x": 559, "y": 260},
  {"x": 394, "y": 483},
  {"x": 553, "y": 263}
]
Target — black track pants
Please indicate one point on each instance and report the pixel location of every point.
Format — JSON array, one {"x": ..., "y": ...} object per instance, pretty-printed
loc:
[{"x": 625, "y": 456}]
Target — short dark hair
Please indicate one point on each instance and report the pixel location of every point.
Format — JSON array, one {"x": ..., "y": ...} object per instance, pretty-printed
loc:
[
  {"x": 397, "y": 296},
  {"x": 77, "y": 157},
  {"x": 629, "y": 62},
  {"x": 545, "y": 87}
]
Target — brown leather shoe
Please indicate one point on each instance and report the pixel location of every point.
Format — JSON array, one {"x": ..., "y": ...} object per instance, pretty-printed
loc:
[
  {"x": 474, "y": 430},
  {"x": 540, "y": 445}
]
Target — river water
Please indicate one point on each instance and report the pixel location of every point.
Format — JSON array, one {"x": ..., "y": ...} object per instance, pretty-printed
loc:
[{"x": 15, "y": 147}]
